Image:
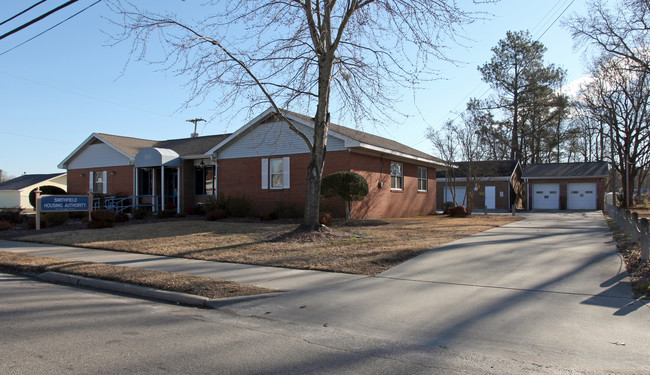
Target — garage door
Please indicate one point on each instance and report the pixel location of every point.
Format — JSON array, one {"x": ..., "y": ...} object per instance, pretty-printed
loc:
[
  {"x": 581, "y": 196},
  {"x": 460, "y": 195},
  {"x": 546, "y": 196}
]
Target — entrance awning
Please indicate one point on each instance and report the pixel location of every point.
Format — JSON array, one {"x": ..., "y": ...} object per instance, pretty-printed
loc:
[{"x": 157, "y": 157}]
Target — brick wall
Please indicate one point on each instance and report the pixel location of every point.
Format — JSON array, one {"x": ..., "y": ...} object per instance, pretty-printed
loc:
[
  {"x": 242, "y": 177},
  {"x": 384, "y": 202},
  {"x": 120, "y": 182}
]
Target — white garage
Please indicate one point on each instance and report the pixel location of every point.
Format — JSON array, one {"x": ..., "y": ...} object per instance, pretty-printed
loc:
[
  {"x": 582, "y": 196},
  {"x": 546, "y": 196}
]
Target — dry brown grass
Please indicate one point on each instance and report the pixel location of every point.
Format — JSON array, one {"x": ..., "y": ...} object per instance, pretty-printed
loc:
[
  {"x": 365, "y": 248},
  {"x": 200, "y": 286}
]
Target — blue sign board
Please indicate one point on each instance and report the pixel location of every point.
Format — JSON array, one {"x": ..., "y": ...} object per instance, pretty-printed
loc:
[{"x": 64, "y": 203}]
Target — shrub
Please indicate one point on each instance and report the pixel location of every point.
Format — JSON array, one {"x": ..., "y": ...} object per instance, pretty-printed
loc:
[
  {"x": 458, "y": 211},
  {"x": 269, "y": 216},
  {"x": 4, "y": 225},
  {"x": 286, "y": 210},
  {"x": 348, "y": 186},
  {"x": 31, "y": 221},
  {"x": 10, "y": 215},
  {"x": 56, "y": 218},
  {"x": 239, "y": 206},
  {"x": 141, "y": 214},
  {"x": 216, "y": 214},
  {"x": 121, "y": 218},
  {"x": 446, "y": 206},
  {"x": 167, "y": 214},
  {"x": 102, "y": 219},
  {"x": 210, "y": 205}
]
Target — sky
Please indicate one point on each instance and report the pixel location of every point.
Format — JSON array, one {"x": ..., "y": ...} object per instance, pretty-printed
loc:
[{"x": 60, "y": 87}]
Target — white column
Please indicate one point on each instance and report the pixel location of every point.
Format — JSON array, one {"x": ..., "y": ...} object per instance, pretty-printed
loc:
[
  {"x": 153, "y": 190},
  {"x": 135, "y": 188},
  {"x": 162, "y": 188},
  {"x": 178, "y": 190}
]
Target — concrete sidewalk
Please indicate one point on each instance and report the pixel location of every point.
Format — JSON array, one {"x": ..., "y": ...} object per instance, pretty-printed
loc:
[{"x": 267, "y": 277}]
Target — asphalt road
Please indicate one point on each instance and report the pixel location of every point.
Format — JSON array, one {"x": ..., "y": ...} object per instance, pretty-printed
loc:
[{"x": 53, "y": 329}]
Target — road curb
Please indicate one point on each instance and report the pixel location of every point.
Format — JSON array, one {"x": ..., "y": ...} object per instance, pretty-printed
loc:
[{"x": 142, "y": 291}]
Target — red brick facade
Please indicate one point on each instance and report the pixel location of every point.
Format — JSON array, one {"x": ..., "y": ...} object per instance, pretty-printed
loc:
[
  {"x": 243, "y": 177},
  {"x": 119, "y": 180}
]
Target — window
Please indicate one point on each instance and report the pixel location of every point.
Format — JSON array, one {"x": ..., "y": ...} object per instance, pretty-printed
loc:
[
  {"x": 396, "y": 176},
  {"x": 98, "y": 182},
  {"x": 275, "y": 173},
  {"x": 204, "y": 180},
  {"x": 422, "y": 179}
]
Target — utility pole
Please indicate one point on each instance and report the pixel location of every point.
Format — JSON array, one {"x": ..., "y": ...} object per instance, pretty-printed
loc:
[{"x": 195, "y": 121}]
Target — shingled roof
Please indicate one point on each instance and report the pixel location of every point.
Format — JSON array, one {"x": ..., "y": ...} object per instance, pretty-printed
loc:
[
  {"x": 182, "y": 146},
  {"x": 486, "y": 168},
  {"x": 373, "y": 140},
  {"x": 567, "y": 170},
  {"x": 27, "y": 180}
]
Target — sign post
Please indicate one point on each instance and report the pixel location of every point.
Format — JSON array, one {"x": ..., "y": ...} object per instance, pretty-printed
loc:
[{"x": 62, "y": 203}]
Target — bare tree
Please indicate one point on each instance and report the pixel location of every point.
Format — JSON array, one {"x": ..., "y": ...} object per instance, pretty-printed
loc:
[
  {"x": 464, "y": 141},
  {"x": 295, "y": 54},
  {"x": 623, "y": 31},
  {"x": 620, "y": 98}
]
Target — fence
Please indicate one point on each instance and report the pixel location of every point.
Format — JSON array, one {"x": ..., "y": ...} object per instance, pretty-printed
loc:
[{"x": 635, "y": 229}]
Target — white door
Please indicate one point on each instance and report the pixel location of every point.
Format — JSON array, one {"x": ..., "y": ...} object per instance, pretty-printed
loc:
[
  {"x": 546, "y": 196},
  {"x": 582, "y": 196},
  {"x": 460, "y": 195},
  {"x": 490, "y": 197}
]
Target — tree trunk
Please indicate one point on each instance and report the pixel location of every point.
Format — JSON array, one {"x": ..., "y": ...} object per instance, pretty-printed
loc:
[{"x": 311, "y": 222}]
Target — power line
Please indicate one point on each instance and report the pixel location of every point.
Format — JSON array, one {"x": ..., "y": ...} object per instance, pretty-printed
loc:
[
  {"x": 39, "y": 18},
  {"x": 43, "y": 32},
  {"x": 23, "y": 12}
]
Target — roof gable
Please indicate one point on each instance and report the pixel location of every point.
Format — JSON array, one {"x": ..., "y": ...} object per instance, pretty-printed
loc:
[{"x": 353, "y": 138}]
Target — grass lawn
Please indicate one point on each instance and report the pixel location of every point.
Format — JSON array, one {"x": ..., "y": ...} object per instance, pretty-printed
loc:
[
  {"x": 200, "y": 286},
  {"x": 367, "y": 248}
]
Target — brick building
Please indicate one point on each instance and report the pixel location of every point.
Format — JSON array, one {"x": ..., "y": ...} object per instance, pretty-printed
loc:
[{"x": 263, "y": 161}]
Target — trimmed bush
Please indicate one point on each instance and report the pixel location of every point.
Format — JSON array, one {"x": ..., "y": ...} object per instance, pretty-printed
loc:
[
  {"x": 55, "y": 219},
  {"x": 217, "y": 214},
  {"x": 141, "y": 214},
  {"x": 167, "y": 214},
  {"x": 121, "y": 218},
  {"x": 239, "y": 206},
  {"x": 4, "y": 225},
  {"x": 10, "y": 215},
  {"x": 269, "y": 216},
  {"x": 348, "y": 186},
  {"x": 31, "y": 221},
  {"x": 286, "y": 210},
  {"x": 102, "y": 219}
]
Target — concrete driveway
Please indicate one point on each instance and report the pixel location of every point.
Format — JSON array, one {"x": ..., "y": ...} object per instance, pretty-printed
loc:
[{"x": 549, "y": 292}]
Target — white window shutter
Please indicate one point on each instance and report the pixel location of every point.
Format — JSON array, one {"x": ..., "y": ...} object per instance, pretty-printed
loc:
[
  {"x": 105, "y": 185},
  {"x": 91, "y": 181},
  {"x": 285, "y": 173},
  {"x": 265, "y": 173}
]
